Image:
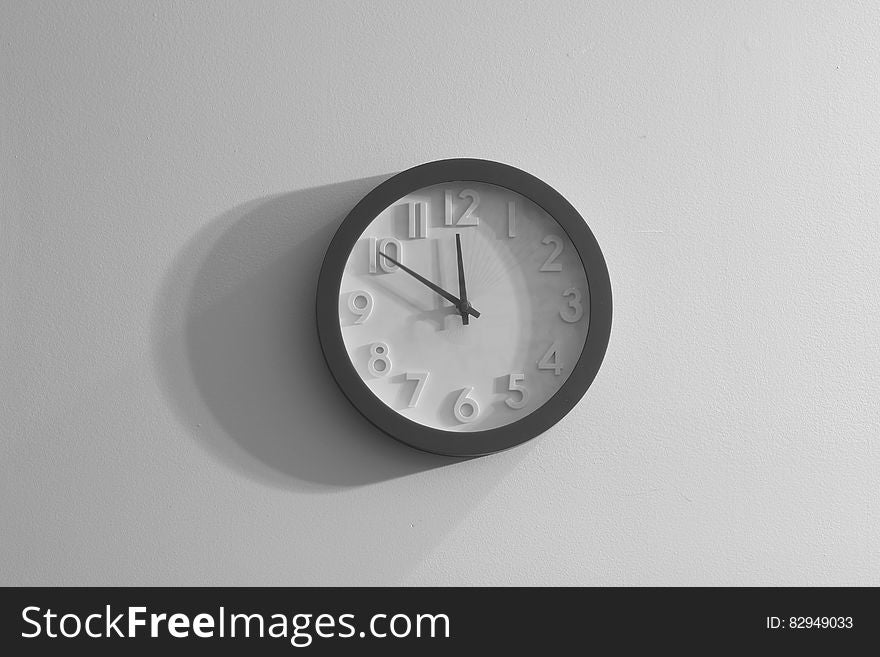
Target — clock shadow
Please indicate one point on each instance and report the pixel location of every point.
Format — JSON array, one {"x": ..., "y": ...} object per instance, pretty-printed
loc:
[{"x": 236, "y": 347}]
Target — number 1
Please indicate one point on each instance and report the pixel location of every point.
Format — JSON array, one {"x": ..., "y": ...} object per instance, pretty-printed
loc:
[
  {"x": 418, "y": 219},
  {"x": 511, "y": 218}
]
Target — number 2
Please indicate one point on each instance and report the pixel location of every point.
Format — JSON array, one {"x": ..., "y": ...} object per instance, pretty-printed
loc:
[{"x": 550, "y": 263}]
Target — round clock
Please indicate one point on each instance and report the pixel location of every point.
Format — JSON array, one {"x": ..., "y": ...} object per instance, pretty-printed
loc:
[{"x": 464, "y": 307}]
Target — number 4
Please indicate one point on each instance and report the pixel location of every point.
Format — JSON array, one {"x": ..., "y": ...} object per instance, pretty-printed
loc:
[{"x": 550, "y": 360}]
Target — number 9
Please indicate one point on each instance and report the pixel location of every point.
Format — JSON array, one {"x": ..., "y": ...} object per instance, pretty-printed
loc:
[{"x": 361, "y": 304}]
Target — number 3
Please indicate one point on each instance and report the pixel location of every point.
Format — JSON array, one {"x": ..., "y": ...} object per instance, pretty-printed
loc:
[{"x": 575, "y": 310}]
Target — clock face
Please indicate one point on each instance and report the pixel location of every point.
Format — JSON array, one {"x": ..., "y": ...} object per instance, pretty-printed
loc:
[
  {"x": 415, "y": 349},
  {"x": 464, "y": 307}
]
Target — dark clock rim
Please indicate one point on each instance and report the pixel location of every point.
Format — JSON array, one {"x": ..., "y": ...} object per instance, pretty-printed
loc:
[{"x": 454, "y": 443}]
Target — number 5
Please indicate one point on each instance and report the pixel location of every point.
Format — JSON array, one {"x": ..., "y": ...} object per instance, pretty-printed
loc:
[{"x": 516, "y": 379}]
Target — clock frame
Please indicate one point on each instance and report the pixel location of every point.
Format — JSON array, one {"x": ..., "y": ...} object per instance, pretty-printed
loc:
[{"x": 435, "y": 440}]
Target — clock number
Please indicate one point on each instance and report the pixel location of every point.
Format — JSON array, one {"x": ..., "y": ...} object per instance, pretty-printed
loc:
[
  {"x": 360, "y": 303},
  {"x": 516, "y": 379},
  {"x": 575, "y": 309},
  {"x": 418, "y": 220},
  {"x": 550, "y": 360},
  {"x": 420, "y": 378},
  {"x": 550, "y": 264},
  {"x": 380, "y": 363},
  {"x": 467, "y": 218},
  {"x": 511, "y": 218},
  {"x": 466, "y": 408},
  {"x": 376, "y": 263}
]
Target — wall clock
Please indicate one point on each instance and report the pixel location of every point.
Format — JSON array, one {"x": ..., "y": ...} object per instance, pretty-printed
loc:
[{"x": 464, "y": 307}]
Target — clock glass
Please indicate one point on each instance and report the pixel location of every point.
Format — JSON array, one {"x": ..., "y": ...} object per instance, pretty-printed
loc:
[{"x": 464, "y": 306}]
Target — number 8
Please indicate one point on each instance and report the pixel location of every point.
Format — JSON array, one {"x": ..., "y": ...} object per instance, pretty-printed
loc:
[{"x": 380, "y": 362}]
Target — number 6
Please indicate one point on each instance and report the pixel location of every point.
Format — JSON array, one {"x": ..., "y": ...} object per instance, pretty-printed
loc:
[{"x": 466, "y": 403}]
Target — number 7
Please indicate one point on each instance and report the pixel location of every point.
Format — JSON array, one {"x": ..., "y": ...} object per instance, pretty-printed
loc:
[{"x": 420, "y": 378}]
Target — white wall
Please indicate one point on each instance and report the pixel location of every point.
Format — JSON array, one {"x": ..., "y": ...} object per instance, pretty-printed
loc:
[{"x": 170, "y": 174}]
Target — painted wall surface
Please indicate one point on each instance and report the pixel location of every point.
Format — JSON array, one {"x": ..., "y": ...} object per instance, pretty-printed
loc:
[{"x": 171, "y": 173}]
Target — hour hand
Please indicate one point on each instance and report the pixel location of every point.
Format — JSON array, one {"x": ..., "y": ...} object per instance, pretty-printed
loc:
[
  {"x": 463, "y": 307},
  {"x": 462, "y": 286}
]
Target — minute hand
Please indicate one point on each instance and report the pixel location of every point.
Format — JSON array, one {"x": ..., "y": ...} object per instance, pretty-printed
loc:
[{"x": 439, "y": 290}]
